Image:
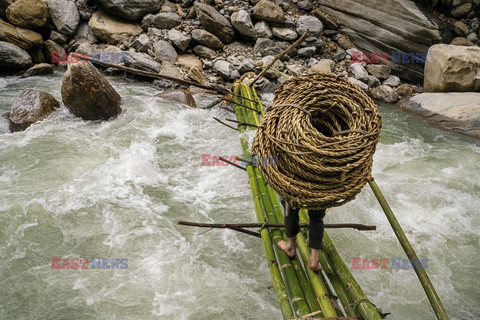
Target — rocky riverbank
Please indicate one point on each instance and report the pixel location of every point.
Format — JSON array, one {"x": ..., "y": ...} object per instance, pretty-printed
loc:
[{"x": 380, "y": 46}]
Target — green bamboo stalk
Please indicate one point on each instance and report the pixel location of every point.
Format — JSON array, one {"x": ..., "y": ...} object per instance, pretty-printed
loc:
[
  {"x": 367, "y": 310},
  {"x": 278, "y": 283},
  {"x": 341, "y": 291},
  {"x": 427, "y": 285},
  {"x": 291, "y": 281},
  {"x": 319, "y": 287},
  {"x": 308, "y": 290}
]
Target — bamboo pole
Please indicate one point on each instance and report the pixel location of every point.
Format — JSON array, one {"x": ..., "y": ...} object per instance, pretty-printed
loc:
[
  {"x": 278, "y": 283},
  {"x": 360, "y": 300},
  {"x": 340, "y": 290},
  {"x": 427, "y": 285}
]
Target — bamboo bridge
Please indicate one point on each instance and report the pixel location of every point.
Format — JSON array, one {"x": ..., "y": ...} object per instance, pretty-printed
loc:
[{"x": 301, "y": 292}]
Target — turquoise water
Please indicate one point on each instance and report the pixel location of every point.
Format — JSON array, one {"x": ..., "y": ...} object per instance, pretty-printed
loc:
[{"x": 115, "y": 189}]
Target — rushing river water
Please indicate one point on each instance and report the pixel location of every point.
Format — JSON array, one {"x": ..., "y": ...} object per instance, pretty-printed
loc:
[{"x": 115, "y": 189}]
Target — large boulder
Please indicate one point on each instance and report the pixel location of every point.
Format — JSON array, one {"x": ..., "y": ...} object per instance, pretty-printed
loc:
[
  {"x": 385, "y": 26},
  {"x": 27, "y": 13},
  {"x": 38, "y": 69},
  {"x": 456, "y": 111},
  {"x": 142, "y": 61},
  {"x": 269, "y": 11},
  {"x": 214, "y": 22},
  {"x": 87, "y": 94},
  {"x": 452, "y": 68},
  {"x": 64, "y": 15},
  {"x": 29, "y": 107},
  {"x": 131, "y": 9},
  {"x": 111, "y": 29},
  {"x": 179, "y": 39},
  {"x": 12, "y": 56},
  {"x": 21, "y": 37}
]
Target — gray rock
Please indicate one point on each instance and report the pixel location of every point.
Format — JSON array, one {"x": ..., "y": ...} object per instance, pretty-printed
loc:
[
  {"x": 359, "y": 84},
  {"x": 472, "y": 37},
  {"x": 58, "y": 37},
  {"x": 263, "y": 30},
  {"x": 147, "y": 21},
  {"x": 246, "y": 66},
  {"x": 142, "y": 43},
  {"x": 385, "y": 93},
  {"x": 64, "y": 15},
  {"x": 392, "y": 81},
  {"x": 38, "y": 69},
  {"x": 164, "y": 51},
  {"x": 87, "y": 94},
  {"x": 13, "y": 56},
  {"x": 131, "y": 10},
  {"x": 284, "y": 33},
  {"x": 226, "y": 70},
  {"x": 52, "y": 50},
  {"x": 86, "y": 8},
  {"x": 268, "y": 11},
  {"x": 166, "y": 20},
  {"x": 374, "y": 26},
  {"x": 358, "y": 71},
  {"x": 311, "y": 24},
  {"x": 265, "y": 47},
  {"x": 373, "y": 81},
  {"x": 29, "y": 107},
  {"x": 272, "y": 72},
  {"x": 204, "y": 52},
  {"x": 179, "y": 95},
  {"x": 242, "y": 22},
  {"x": 305, "y": 5},
  {"x": 179, "y": 39},
  {"x": 207, "y": 39},
  {"x": 307, "y": 51},
  {"x": 84, "y": 31},
  {"x": 215, "y": 23},
  {"x": 142, "y": 61},
  {"x": 380, "y": 71},
  {"x": 455, "y": 111}
]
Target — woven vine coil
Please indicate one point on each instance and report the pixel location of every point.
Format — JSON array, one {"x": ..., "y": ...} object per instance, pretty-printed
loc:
[{"x": 323, "y": 130}]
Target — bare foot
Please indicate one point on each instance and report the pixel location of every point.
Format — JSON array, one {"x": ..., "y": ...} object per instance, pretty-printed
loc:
[
  {"x": 315, "y": 266},
  {"x": 314, "y": 262},
  {"x": 287, "y": 247}
]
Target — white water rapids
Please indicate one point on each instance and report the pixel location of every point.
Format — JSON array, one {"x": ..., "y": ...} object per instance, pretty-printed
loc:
[{"x": 77, "y": 189}]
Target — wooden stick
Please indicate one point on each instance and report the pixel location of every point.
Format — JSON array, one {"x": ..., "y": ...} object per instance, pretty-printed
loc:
[
  {"x": 151, "y": 74},
  {"x": 252, "y": 233},
  {"x": 233, "y": 164},
  {"x": 357, "y": 226},
  {"x": 242, "y": 123},
  {"x": 281, "y": 54},
  {"x": 225, "y": 124}
]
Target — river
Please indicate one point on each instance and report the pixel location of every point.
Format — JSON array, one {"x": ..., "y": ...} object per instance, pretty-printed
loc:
[{"x": 115, "y": 190}]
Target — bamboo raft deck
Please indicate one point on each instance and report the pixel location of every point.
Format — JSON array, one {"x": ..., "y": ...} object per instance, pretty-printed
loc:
[{"x": 302, "y": 293}]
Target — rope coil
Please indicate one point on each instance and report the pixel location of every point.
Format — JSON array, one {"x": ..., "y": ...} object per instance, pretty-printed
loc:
[{"x": 324, "y": 131}]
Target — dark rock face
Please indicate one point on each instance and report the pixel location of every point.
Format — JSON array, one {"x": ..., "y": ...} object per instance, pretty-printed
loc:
[
  {"x": 131, "y": 9},
  {"x": 29, "y": 107},
  {"x": 14, "y": 57},
  {"x": 214, "y": 22},
  {"x": 392, "y": 26},
  {"x": 87, "y": 94}
]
